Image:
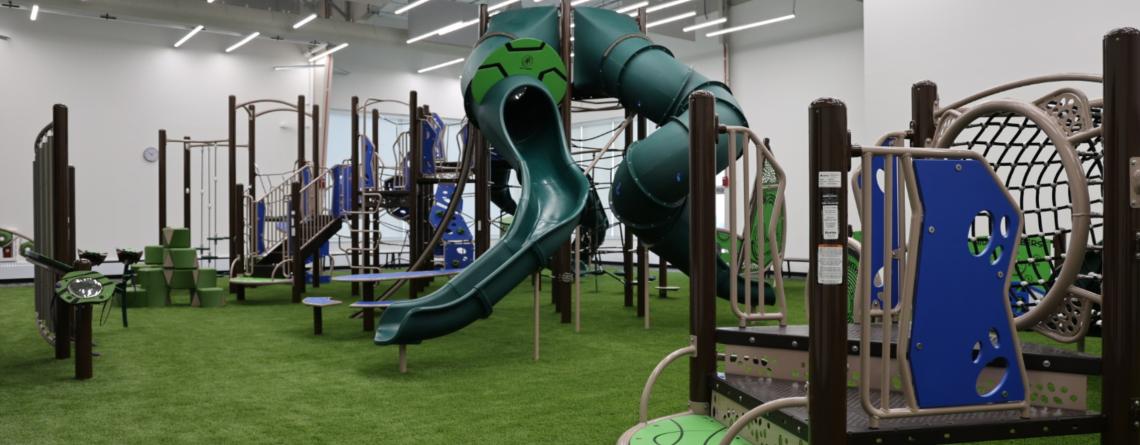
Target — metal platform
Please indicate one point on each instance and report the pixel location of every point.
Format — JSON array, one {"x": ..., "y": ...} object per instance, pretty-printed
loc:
[
  {"x": 750, "y": 392},
  {"x": 1037, "y": 357}
]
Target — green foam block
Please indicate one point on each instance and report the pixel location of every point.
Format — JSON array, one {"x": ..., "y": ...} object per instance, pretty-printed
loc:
[
  {"x": 181, "y": 278},
  {"x": 152, "y": 278},
  {"x": 136, "y": 297},
  {"x": 207, "y": 278},
  {"x": 180, "y": 258},
  {"x": 152, "y": 255},
  {"x": 176, "y": 237},
  {"x": 211, "y": 297}
]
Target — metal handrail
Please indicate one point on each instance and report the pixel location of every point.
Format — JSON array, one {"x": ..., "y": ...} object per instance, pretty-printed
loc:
[
  {"x": 643, "y": 414},
  {"x": 752, "y": 414}
]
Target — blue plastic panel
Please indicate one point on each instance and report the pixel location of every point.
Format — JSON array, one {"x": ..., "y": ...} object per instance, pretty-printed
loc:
[
  {"x": 962, "y": 320},
  {"x": 458, "y": 255}
]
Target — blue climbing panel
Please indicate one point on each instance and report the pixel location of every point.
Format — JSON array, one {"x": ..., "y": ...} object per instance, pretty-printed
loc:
[
  {"x": 369, "y": 179},
  {"x": 878, "y": 227},
  {"x": 962, "y": 322},
  {"x": 260, "y": 227},
  {"x": 342, "y": 189}
]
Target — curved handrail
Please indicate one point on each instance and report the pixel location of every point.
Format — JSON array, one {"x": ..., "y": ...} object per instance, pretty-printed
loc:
[
  {"x": 1063, "y": 77},
  {"x": 623, "y": 127},
  {"x": 752, "y": 414},
  {"x": 643, "y": 414},
  {"x": 271, "y": 101},
  {"x": 278, "y": 110}
]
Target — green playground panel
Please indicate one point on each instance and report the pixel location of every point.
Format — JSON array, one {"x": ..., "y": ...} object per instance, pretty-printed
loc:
[
  {"x": 683, "y": 430},
  {"x": 521, "y": 57},
  {"x": 176, "y": 237}
]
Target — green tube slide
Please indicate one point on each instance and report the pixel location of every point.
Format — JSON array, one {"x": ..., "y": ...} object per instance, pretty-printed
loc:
[
  {"x": 519, "y": 115},
  {"x": 614, "y": 59}
]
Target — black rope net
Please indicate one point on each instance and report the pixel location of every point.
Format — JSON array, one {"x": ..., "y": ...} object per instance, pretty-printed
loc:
[{"x": 1030, "y": 166}]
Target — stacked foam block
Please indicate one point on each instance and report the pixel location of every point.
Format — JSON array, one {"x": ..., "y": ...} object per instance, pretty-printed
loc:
[{"x": 173, "y": 266}]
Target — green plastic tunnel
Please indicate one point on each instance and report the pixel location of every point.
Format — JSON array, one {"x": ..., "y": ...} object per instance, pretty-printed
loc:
[{"x": 650, "y": 191}]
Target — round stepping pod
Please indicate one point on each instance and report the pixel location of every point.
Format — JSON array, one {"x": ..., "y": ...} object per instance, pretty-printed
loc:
[
  {"x": 210, "y": 297},
  {"x": 521, "y": 57},
  {"x": 180, "y": 258},
  {"x": 181, "y": 278},
  {"x": 176, "y": 237},
  {"x": 689, "y": 429},
  {"x": 153, "y": 255},
  {"x": 207, "y": 278}
]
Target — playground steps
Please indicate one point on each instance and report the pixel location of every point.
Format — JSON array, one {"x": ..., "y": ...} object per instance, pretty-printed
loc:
[
  {"x": 735, "y": 394},
  {"x": 795, "y": 338},
  {"x": 267, "y": 262}
]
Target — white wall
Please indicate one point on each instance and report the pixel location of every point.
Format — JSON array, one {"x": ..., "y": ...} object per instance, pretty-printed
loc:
[
  {"x": 122, "y": 83},
  {"x": 776, "y": 83},
  {"x": 968, "y": 45}
]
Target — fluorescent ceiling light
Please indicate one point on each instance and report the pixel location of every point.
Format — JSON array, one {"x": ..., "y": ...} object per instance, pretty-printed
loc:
[
  {"x": 209, "y": 1},
  {"x": 750, "y": 25},
  {"x": 444, "y": 30},
  {"x": 704, "y": 25},
  {"x": 632, "y": 7},
  {"x": 305, "y": 21},
  {"x": 410, "y": 6},
  {"x": 188, "y": 36},
  {"x": 578, "y": 2},
  {"x": 328, "y": 52},
  {"x": 671, "y": 19},
  {"x": 35, "y": 12},
  {"x": 243, "y": 42},
  {"x": 298, "y": 67},
  {"x": 436, "y": 67},
  {"x": 671, "y": 4},
  {"x": 501, "y": 5}
]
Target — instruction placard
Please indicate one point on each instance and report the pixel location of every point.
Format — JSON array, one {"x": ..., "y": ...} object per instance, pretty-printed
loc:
[
  {"x": 829, "y": 264},
  {"x": 829, "y": 209},
  {"x": 830, "y": 180}
]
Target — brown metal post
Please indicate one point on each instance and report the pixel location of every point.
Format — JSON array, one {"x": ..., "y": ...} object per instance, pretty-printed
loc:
[
  {"x": 231, "y": 187},
  {"x": 237, "y": 238},
  {"x": 300, "y": 131},
  {"x": 662, "y": 278},
  {"x": 923, "y": 102},
  {"x": 702, "y": 250},
  {"x": 828, "y": 161},
  {"x": 251, "y": 151},
  {"x": 415, "y": 152},
  {"x": 61, "y": 227},
  {"x": 561, "y": 268},
  {"x": 642, "y": 279},
  {"x": 354, "y": 218},
  {"x": 376, "y": 221},
  {"x": 475, "y": 141},
  {"x": 316, "y": 171},
  {"x": 185, "y": 182},
  {"x": 627, "y": 244},
  {"x": 295, "y": 241},
  {"x": 366, "y": 259},
  {"x": 1120, "y": 389},
  {"x": 161, "y": 182},
  {"x": 84, "y": 367}
]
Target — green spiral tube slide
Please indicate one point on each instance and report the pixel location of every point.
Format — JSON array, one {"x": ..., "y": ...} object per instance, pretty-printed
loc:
[{"x": 614, "y": 59}]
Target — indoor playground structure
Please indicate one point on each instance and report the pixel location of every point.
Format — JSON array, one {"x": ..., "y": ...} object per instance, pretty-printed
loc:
[{"x": 944, "y": 284}]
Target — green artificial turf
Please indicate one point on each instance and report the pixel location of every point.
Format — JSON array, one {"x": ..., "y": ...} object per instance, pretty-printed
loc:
[{"x": 252, "y": 372}]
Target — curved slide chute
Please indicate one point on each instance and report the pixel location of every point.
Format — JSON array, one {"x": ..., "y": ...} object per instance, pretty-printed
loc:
[
  {"x": 614, "y": 59},
  {"x": 519, "y": 116}
]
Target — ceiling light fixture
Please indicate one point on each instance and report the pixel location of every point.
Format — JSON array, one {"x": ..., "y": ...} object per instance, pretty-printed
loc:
[
  {"x": 305, "y": 21},
  {"x": 671, "y": 19},
  {"x": 328, "y": 52},
  {"x": 410, "y": 6},
  {"x": 188, "y": 35},
  {"x": 436, "y": 67},
  {"x": 35, "y": 12},
  {"x": 501, "y": 5},
  {"x": 671, "y": 4},
  {"x": 704, "y": 25},
  {"x": 297, "y": 67},
  {"x": 751, "y": 25},
  {"x": 444, "y": 30},
  {"x": 242, "y": 42},
  {"x": 578, "y": 2},
  {"x": 632, "y": 7}
]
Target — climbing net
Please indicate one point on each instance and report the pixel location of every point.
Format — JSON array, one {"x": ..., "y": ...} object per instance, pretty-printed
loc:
[{"x": 1049, "y": 156}]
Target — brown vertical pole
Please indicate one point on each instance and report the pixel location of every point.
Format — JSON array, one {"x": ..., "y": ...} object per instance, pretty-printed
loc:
[
  {"x": 642, "y": 280},
  {"x": 415, "y": 152},
  {"x": 316, "y": 119},
  {"x": 1120, "y": 389},
  {"x": 923, "y": 101},
  {"x": 295, "y": 241},
  {"x": 702, "y": 251},
  {"x": 366, "y": 235},
  {"x": 627, "y": 244},
  {"x": 300, "y": 131},
  {"x": 662, "y": 278},
  {"x": 84, "y": 367},
  {"x": 482, "y": 184},
  {"x": 561, "y": 268},
  {"x": 185, "y": 182},
  {"x": 231, "y": 188},
  {"x": 376, "y": 219},
  {"x": 161, "y": 182},
  {"x": 354, "y": 218},
  {"x": 237, "y": 237},
  {"x": 251, "y": 151},
  {"x": 828, "y": 160},
  {"x": 61, "y": 226}
]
